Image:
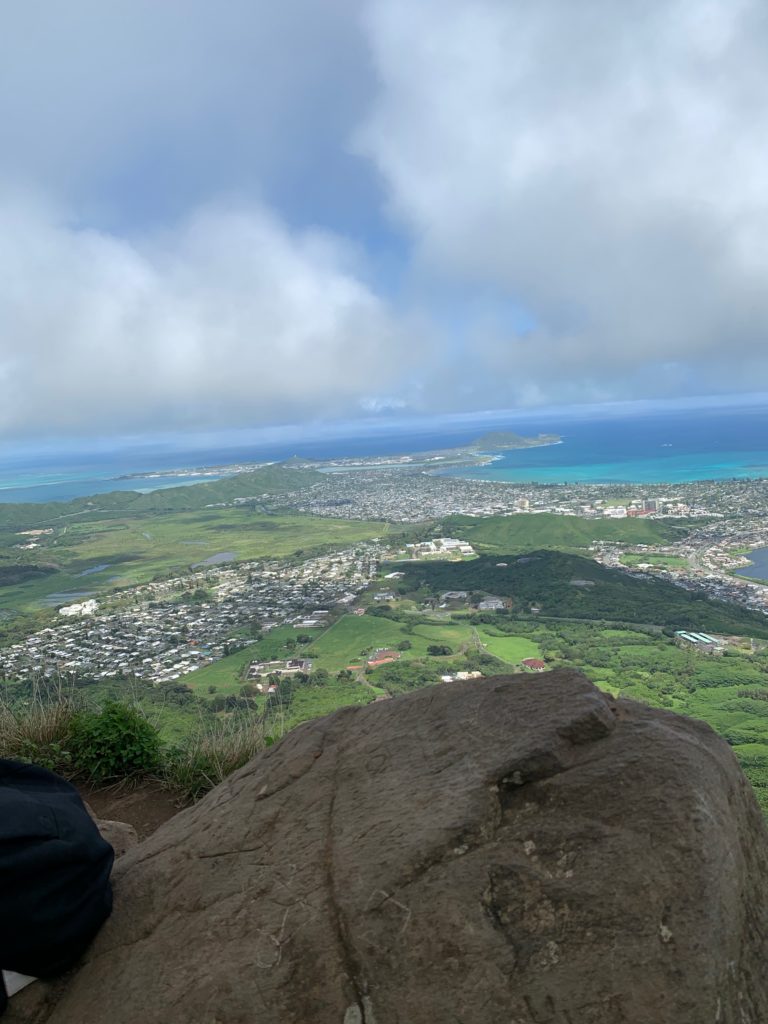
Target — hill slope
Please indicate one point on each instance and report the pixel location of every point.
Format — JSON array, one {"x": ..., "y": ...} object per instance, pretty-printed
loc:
[
  {"x": 555, "y": 582},
  {"x": 268, "y": 480}
]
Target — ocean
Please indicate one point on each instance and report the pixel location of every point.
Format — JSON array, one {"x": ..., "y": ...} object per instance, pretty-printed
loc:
[
  {"x": 668, "y": 447},
  {"x": 716, "y": 444}
]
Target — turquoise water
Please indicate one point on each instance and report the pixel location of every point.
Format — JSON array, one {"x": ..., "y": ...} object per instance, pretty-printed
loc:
[
  {"x": 527, "y": 466},
  {"x": 669, "y": 447},
  {"x": 63, "y": 486},
  {"x": 713, "y": 444}
]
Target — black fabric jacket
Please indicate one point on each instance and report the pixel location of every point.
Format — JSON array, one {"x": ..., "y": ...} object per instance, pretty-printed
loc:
[{"x": 54, "y": 873}]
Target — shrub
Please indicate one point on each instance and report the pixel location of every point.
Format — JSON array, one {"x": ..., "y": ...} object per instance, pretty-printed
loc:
[{"x": 114, "y": 742}]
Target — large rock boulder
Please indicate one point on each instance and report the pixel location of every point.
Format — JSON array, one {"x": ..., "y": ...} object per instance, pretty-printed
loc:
[{"x": 519, "y": 850}]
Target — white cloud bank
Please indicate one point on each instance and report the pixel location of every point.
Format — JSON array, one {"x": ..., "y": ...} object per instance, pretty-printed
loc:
[
  {"x": 229, "y": 319},
  {"x": 602, "y": 164},
  {"x": 598, "y": 165}
]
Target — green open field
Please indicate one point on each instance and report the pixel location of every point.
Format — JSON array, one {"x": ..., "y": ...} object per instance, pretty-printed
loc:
[
  {"x": 730, "y": 692},
  {"x": 226, "y": 675},
  {"x": 650, "y": 558},
  {"x": 348, "y": 641},
  {"x": 101, "y": 555},
  {"x": 528, "y": 532},
  {"x": 345, "y": 641},
  {"x": 512, "y": 649},
  {"x": 313, "y": 701},
  {"x": 343, "y": 644}
]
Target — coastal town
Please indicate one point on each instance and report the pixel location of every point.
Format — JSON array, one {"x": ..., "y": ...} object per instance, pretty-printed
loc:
[
  {"x": 170, "y": 627},
  {"x": 175, "y": 626},
  {"x": 415, "y": 495}
]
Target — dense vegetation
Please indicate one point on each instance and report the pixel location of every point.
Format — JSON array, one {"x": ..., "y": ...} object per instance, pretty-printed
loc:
[
  {"x": 117, "y": 741},
  {"x": 570, "y": 586}
]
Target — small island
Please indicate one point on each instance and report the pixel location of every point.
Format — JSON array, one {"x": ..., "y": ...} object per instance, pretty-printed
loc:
[{"x": 502, "y": 440}]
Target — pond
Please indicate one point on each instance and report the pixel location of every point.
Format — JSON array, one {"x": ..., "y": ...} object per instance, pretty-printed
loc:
[
  {"x": 758, "y": 567},
  {"x": 222, "y": 556}
]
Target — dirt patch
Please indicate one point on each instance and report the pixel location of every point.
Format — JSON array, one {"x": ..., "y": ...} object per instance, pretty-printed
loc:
[{"x": 145, "y": 805}]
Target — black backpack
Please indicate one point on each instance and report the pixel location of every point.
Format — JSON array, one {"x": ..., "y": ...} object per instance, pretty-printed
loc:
[{"x": 54, "y": 873}]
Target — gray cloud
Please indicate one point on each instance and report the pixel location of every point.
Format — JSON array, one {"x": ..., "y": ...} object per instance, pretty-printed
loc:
[
  {"x": 229, "y": 318},
  {"x": 601, "y": 164},
  {"x": 164, "y": 167},
  {"x": 137, "y": 109},
  {"x": 193, "y": 205}
]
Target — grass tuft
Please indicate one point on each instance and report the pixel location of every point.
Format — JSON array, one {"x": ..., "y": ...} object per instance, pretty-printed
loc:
[
  {"x": 216, "y": 750},
  {"x": 55, "y": 729},
  {"x": 40, "y": 729}
]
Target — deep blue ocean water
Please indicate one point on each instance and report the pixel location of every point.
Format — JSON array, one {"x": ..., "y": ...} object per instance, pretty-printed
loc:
[{"x": 671, "y": 447}]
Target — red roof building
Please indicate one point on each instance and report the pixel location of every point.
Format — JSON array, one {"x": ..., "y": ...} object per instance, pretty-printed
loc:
[
  {"x": 383, "y": 657},
  {"x": 536, "y": 664}
]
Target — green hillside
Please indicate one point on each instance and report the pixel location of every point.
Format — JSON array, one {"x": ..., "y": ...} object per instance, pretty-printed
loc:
[
  {"x": 527, "y": 532},
  {"x": 570, "y": 586},
  {"x": 268, "y": 480}
]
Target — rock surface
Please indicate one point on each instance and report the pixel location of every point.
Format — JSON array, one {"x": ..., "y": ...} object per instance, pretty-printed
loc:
[
  {"x": 521, "y": 850},
  {"x": 121, "y": 836}
]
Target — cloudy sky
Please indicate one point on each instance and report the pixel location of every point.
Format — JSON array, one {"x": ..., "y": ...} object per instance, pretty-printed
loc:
[{"x": 248, "y": 213}]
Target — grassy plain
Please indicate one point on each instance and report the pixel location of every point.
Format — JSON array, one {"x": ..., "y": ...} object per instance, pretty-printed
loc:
[
  {"x": 528, "y": 532},
  {"x": 512, "y": 649},
  {"x": 651, "y": 558},
  {"x": 227, "y": 674},
  {"x": 101, "y": 555},
  {"x": 348, "y": 642}
]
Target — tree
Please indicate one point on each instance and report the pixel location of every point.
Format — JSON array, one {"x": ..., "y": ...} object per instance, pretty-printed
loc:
[
  {"x": 404, "y": 645},
  {"x": 439, "y": 650}
]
